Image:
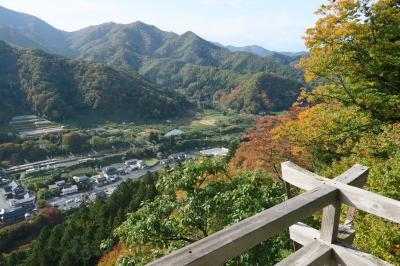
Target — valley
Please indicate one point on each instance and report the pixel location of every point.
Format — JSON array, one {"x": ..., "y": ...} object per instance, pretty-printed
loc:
[{"x": 123, "y": 143}]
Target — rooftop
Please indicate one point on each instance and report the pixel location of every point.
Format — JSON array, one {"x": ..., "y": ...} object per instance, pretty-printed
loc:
[
  {"x": 174, "y": 132},
  {"x": 215, "y": 152}
]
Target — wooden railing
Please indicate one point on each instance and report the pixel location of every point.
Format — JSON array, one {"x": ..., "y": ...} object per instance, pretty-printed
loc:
[{"x": 322, "y": 247}]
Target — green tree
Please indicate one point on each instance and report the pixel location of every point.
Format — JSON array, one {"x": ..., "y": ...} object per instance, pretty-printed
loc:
[
  {"x": 354, "y": 51},
  {"x": 74, "y": 141},
  {"x": 196, "y": 200}
]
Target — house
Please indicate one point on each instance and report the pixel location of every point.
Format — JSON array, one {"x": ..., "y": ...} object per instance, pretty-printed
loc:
[
  {"x": 69, "y": 190},
  {"x": 135, "y": 164},
  {"x": 99, "y": 179},
  {"x": 14, "y": 190},
  {"x": 178, "y": 157},
  {"x": 174, "y": 133},
  {"x": 110, "y": 171},
  {"x": 57, "y": 185},
  {"x": 4, "y": 181},
  {"x": 53, "y": 186},
  {"x": 60, "y": 183},
  {"x": 122, "y": 171},
  {"x": 215, "y": 152},
  {"x": 130, "y": 162},
  {"x": 9, "y": 216},
  {"x": 98, "y": 195},
  {"x": 79, "y": 179},
  {"x": 27, "y": 201}
]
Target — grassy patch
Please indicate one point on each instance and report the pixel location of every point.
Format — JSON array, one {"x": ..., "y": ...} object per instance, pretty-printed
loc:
[
  {"x": 82, "y": 171},
  {"x": 151, "y": 161}
]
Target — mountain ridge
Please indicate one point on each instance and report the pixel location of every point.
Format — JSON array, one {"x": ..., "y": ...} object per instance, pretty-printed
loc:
[
  {"x": 58, "y": 88},
  {"x": 188, "y": 63}
]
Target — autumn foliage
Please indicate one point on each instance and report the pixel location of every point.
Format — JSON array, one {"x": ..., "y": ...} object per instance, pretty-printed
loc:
[
  {"x": 51, "y": 215},
  {"x": 351, "y": 116},
  {"x": 262, "y": 148},
  {"x": 111, "y": 258}
]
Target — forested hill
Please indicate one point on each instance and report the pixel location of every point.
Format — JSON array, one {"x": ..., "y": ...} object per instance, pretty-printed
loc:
[
  {"x": 56, "y": 87},
  {"x": 198, "y": 68}
]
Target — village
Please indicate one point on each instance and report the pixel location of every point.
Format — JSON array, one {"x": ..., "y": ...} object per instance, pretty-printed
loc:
[
  {"x": 114, "y": 152},
  {"x": 18, "y": 202}
]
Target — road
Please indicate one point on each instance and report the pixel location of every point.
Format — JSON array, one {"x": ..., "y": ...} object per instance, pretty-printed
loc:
[
  {"x": 61, "y": 201},
  {"x": 60, "y": 162}
]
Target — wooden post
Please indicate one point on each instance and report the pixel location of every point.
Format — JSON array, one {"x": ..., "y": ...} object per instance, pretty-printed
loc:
[
  {"x": 295, "y": 246},
  {"x": 330, "y": 222}
]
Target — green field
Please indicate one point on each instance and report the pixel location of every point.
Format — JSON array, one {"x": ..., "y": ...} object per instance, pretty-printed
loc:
[{"x": 151, "y": 162}]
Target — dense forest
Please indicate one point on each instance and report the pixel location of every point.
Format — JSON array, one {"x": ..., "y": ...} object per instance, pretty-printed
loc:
[
  {"x": 58, "y": 88},
  {"x": 82, "y": 237}
]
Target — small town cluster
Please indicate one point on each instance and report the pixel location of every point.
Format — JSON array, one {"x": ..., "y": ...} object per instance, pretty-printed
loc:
[{"x": 17, "y": 202}]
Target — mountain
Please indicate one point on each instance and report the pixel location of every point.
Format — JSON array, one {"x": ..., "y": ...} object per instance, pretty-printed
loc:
[
  {"x": 253, "y": 49},
  {"x": 28, "y": 31},
  {"x": 200, "y": 69},
  {"x": 139, "y": 45},
  {"x": 261, "y": 92},
  {"x": 34, "y": 81},
  {"x": 261, "y": 51}
]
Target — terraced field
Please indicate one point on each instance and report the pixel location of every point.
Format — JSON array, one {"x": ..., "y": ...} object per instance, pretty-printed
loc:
[{"x": 31, "y": 125}]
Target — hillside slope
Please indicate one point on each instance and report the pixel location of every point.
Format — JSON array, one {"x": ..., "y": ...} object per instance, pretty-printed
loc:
[
  {"x": 53, "y": 86},
  {"x": 200, "y": 69}
]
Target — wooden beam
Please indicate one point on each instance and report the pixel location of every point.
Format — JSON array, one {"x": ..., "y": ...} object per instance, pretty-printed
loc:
[
  {"x": 300, "y": 177},
  {"x": 304, "y": 234},
  {"x": 315, "y": 253},
  {"x": 343, "y": 253},
  {"x": 361, "y": 199},
  {"x": 232, "y": 241},
  {"x": 355, "y": 176},
  {"x": 369, "y": 202}
]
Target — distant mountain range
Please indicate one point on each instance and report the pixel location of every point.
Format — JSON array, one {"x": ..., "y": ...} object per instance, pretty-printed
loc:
[
  {"x": 259, "y": 50},
  {"x": 202, "y": 70}
]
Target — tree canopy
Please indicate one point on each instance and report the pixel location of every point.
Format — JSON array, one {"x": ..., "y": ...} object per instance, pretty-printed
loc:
[{"x": 196, "y": 200}]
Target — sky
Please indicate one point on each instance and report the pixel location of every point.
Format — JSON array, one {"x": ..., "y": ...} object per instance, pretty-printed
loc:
[{"x": 273, "y": 24}]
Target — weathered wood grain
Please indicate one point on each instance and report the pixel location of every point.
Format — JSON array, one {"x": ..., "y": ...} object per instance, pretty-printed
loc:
[
  {"x": 361, "y": 199},
  {"x": 232, "y": 241},
  {"x": 343, "y": 253},
  {"x": 315, "y": 253}
]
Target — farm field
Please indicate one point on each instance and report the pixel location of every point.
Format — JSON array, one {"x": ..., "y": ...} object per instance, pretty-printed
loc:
[{"x": 32, "y": 125}]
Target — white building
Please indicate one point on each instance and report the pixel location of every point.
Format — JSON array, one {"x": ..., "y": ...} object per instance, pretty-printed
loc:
[
  {"x": 173, "y": 133},
  {"x": 135, "y": 164},
  {"x": 215, "y": 152},
  {"x": 70, "y": 190},
  {"x": 99, "y": 179},
  {"x": 79, "y": 179}
]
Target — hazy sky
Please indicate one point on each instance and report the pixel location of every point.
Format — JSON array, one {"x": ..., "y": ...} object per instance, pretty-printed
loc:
[{"x": 273, "y": 24}]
